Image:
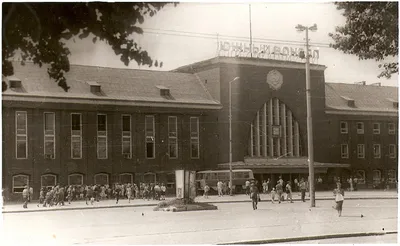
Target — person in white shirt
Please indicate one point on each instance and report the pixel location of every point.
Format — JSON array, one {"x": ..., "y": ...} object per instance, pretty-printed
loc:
[
  {"x": 25, "y": 196},
  {"x": 163, "y": 190},
  {"x": 219, "y": 187},
  {"x": 247, "y": 186}
]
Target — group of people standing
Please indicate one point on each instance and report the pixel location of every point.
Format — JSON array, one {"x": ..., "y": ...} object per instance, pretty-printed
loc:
[{"x": 57, "y": 195}]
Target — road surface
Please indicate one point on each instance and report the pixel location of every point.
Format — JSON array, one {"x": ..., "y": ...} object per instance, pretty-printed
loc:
[{"x": 232, "y": 222}]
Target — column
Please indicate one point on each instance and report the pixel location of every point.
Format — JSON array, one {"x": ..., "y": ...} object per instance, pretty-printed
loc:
[
  {"x": 296, "y": 139},
  {"x": 290, "y": 132},
  {"x": 283, "y": 121},
  {"x": 251, "y": 141},
  {"x": 264, "y": 125},
  {"x": 270, "y": 118},
  {"x": 278, "y": 142},
  {"x": 257, "y": 136}
]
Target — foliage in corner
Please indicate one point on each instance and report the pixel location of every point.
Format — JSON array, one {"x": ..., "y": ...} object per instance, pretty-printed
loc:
[
  {"x": 370, "y": 32},
  {"x": 38, "y": 31}
]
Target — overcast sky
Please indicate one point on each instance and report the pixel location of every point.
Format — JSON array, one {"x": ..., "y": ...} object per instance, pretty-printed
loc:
[{"x": 269, "y": 21}]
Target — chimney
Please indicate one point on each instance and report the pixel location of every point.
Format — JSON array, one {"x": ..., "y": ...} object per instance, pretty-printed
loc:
[
  {"x": 95, "y": 88},
  {"x": 376, "y": 84}
]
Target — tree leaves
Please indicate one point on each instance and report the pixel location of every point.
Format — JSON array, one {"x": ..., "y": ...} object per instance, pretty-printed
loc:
[
  {"x": 36, "y": 30},
  {"x": 370, "y": 32}
]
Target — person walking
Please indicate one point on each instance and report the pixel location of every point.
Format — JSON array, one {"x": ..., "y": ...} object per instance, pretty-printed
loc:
[
  {"x": 247, "y": 187},
  {"x": 129, "y": 192},
  {"x": 339, "y": 198},
  {"x": 117, "y": 192},
  {"x": 273, "y": 194},
  {"x": 265, "y": 186},
  {"x": 89, "y": 195},
  {"x": 289, "y": 191},
  {"x": 25, "y": 196},
  {"x": 279, "y": 191},
  {"x": 219, "y": 188},
  {"x": 303, "y": 188},
  {"x": 206, "y": 190},
  {"x": 163, "y": 191},
  {"x": 254, "y": 195}
]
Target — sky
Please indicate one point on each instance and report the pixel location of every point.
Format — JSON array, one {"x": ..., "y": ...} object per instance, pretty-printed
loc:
[{"x": 269, "y": 21}]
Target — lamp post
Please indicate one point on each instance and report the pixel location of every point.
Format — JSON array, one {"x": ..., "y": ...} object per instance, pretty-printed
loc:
[
  {"x": 230, "y": 135},
  {"x": 310, "y": 144}
]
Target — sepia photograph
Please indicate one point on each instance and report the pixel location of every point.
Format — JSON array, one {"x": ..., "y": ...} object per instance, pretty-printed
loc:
[{"x": 199, "y": 122}]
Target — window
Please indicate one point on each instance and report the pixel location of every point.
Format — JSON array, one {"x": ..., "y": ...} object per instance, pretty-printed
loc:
[
  {"x": 149, "y": 178},
  {"x": 75, "y": 179},
  {"x": 101, "y": 179},
  {"x": 19, "y": 183},
  {"x": 101, "y": 136},
  {"x": 48, "y": 181},
  {"x": 171, "y": 180},
  {"x": 150, "y": 137},
  {"x": 344, "y": 151},
  {"x": 376, "y": 176},
  {"x": 392, "y": 176},
  {"x": 343, "y": 127},
  {"x": 126, "y": 137},
  {"x": 360, "y": 128},
  {"x": 194, "y": 138},
  {"x": 360, "y": 176},
  {"x": 172, "y": 137},
  {"x": 392, "y": 151},
  {"x": 22, "y": 135},
  {"x": 361, "y": 151},
  {"x": 377, "y": 128},
  {"x": 126, "y": 178},
  {"x": 76, "y": 136},
  {"x": 377, "y": 151},
  {"x": 392, "y": 128},
  {"x": 49, "y": 135}
]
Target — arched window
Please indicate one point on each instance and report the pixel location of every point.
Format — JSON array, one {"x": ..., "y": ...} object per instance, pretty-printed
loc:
[
  {"x": 360, "y": 176},
  {"x": 75, "y": 179},
  {"x": 101, "y": 179},
  {"x": 19, "y": 182},
  {"x": 392, "y": 174},
  {"x": 376, "y": 176},
  {"x": 48, "y": 180},
  {"x": 126, "y": 178},
  {"x": 149, "y": 178}
]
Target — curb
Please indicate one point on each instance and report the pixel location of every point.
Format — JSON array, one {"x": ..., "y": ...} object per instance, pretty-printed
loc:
[
  {"x": 308, "y": 238},
  {"x": 155, "y": 204}
]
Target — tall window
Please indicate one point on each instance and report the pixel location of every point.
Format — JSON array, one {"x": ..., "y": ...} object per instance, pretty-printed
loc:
[
  {"x": 76, "y": 136},
  {"x": 360, "y": 176},
  {"x": 101, "y": 179},
  {"x": 48, "y": 181},
  {"x": 22, "y": 135},
  {"x": 361, "y": 151},
  {"x": 377, "y": 151},
  {"x": 343, "y": 127},
  {"x": 392, "y": 176},
  {"x": 392, "y": 128},
  {"x": 150, "y": 137},
  {"x": 75, "y": 179},
  {"x": 126, "y": 137},
  {"x": 49, "y": 135},
  {"x": 392, "y": 150},
  {"x": 344, "y": 151},
  {"x": 19, "y": 182},
  {"x": 101, "y": 136},
  {"x": 172, "y": 137},
  {"x": 376, "y": 176},
  {"x": 194, "y": 138},
  {"x": 360, "y": 127},
  {"x": 377, "y": 128},
  {"x": 126, "y": 178}
]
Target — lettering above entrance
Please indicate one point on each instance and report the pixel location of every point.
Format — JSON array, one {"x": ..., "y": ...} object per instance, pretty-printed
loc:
[{"x": 274, "y": 80}]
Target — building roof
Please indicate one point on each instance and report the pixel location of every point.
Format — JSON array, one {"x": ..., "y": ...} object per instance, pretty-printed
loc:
[
  {"x": 366, "y": 98},
  {"x": 130, "y": 86}
]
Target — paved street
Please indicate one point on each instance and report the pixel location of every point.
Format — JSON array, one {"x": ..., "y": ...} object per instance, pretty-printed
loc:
[
  {"x": 233, "y": 222},
  {"x": 382, "y": 239}
]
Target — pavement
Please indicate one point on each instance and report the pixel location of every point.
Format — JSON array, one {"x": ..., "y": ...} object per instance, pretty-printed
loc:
[
  {"x": 81, "y": 205},
  {"x": 231, "y": 223}
]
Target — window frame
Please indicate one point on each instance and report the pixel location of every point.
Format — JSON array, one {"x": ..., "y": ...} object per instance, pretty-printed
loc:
[
  {"x": 380, "y": 151},
  {"x": 76, "y": 138},
  {"x": 126, "y": 136},
  {"x": 172, "y": 138},
  {"x": 392, "y": 180},
  {"x": 170, "y": 185},
  {"x": 344, "y": 130},
  {"x": 391, "y": 131},
  {"x": 393, "y": 154},
  {"x": 44, "y": 175},
  {"x": 75, "y": 174},
  {"x": 122, "y": 174},
  {"x": 375, "y": 181},
  {"x": 378, "y": 130},
  {"x": 102, "y": 137},
  {"x": 360, "y": 131},
  {"x": 344, "y": 155},
  {"x": 194, "y": 139},
  {"x": 21, "y": 135},
  {"x": 13, "y": 182},
  {"x": 361, "y": 155},
  {"x": 46, "y": 135},
  {"x": 151, "y": 138},
  {"x": 101, "y": 174},
  {"x": 363, "y": 177}
]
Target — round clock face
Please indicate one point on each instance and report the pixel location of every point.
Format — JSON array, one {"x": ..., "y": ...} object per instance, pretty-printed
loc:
[{"x": 274, "y": 79}]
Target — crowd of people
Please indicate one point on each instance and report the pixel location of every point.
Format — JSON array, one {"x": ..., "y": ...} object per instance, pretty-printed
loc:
[{"x": 58, "y": 195}]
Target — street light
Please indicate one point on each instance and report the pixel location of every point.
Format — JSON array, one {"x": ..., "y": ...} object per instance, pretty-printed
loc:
[
  {"x": 301, "y": 28},
  {"x": 230, "y": 135}
]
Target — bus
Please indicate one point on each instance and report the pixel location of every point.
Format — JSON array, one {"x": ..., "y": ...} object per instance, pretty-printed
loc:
[{"x": 211, "y": 177}]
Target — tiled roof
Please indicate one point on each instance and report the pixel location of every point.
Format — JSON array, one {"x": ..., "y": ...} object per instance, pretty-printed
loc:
[
  {"x": 367, "y": 98},
  {"x": 128, "y": 85}
]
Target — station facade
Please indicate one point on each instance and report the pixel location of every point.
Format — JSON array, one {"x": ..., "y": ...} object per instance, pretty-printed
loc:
[{"x": 126, "y": 125}]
